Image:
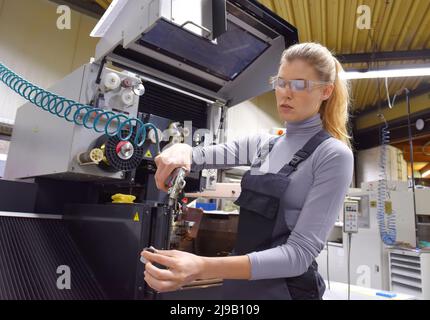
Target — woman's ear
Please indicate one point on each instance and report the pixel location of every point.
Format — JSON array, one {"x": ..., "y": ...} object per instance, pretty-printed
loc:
[{"x": 327, "y": 92}]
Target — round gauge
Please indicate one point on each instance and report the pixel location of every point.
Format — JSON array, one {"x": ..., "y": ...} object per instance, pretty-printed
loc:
[{"x": 419, "y": 124}]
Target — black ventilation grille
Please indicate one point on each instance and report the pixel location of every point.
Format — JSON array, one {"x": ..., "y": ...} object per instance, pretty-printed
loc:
[
  {"x": 173, "y": 105},
  {"x": 31, "y": 250}
]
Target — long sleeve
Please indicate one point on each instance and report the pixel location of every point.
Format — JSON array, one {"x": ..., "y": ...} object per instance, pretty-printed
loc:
[
  {"x": 332, "y": 174},
  {"x": 239, "y": 152}
]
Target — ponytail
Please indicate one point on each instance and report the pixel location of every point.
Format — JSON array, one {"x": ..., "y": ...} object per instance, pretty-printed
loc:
[{"x": 334, "y": 111}]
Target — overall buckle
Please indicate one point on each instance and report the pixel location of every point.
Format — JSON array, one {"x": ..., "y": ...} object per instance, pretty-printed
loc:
[{"x": 297, "y": 158}]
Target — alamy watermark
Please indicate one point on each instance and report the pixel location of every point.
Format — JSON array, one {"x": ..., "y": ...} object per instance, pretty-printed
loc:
[
  {"x": 364, "y": 21},
  {"x": 241, "y": 150},
  {"x": 64, "y": 21},
  {"x": 64, "y": 281}
]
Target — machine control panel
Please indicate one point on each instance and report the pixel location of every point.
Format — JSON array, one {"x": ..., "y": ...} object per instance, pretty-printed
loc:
[{"x": 350, "y": 218}]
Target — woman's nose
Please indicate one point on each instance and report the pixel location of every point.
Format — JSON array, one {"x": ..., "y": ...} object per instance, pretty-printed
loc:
[{"x": 287, "y": 92}]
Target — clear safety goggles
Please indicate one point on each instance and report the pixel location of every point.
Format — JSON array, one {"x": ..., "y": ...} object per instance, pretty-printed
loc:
[{"x": 297, "y": 85}]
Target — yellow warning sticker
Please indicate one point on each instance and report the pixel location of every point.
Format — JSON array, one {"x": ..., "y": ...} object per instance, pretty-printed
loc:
[
  {"x": 136, "y": 217},
  {"x": 148, "y": 154}
]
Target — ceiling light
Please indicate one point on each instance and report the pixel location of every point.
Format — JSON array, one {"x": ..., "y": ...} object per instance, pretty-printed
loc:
[{"x": 394, "y": 73}]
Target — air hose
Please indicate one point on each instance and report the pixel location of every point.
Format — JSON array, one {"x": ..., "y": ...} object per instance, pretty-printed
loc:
[
  {"x": 386, "y": 220},
  {"x": 114, "y": 124}
]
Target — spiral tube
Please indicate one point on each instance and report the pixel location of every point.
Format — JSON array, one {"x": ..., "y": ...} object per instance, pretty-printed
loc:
[
  {"x": 386, "y": 223},
  {"x": 78, "y": 113}
]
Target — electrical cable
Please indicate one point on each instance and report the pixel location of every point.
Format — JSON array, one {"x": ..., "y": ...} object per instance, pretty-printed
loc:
[
  {"x": 220, "y": 125},
  {"x": 349, "y": 265},
  {"x": 411, "y": 151},
  {"x": 411, "y": 147},
  {"x": 388, "y": 94},
  {"x": 328, "y": 271},
  {"x": 387, "y": 229}
]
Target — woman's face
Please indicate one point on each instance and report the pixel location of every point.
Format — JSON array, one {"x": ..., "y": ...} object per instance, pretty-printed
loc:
[{"x": 295, "y": 105}]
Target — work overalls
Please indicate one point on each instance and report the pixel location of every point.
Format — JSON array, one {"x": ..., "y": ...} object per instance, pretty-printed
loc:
[{"x": 259, "y": 213}]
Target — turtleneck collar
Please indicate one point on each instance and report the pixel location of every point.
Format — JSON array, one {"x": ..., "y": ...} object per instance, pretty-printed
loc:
[{"x": 310, "y": 125}]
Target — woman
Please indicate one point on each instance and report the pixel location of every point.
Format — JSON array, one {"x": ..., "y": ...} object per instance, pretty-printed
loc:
[{"x": 288, "y": 209}]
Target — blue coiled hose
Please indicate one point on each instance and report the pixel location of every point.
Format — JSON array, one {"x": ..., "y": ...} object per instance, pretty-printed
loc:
[
  {"x": 386, "y": 222},
  {"x": 79, "y": 113}
]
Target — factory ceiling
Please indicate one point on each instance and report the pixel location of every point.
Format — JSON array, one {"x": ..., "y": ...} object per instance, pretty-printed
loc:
[{"x": 364, "y": 35}]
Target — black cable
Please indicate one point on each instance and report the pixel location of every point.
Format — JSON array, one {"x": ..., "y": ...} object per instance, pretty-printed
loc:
[
  {"x": 411, "y": 151},
  {"x": 349, "y": 265},
  {"x": 98, "y": 95},
  {"x": 99, "y": 73},
  {"x": 374, "y": 65},
  {"x": 328, "y": 271},
  {"x": 221, "y": 124}
]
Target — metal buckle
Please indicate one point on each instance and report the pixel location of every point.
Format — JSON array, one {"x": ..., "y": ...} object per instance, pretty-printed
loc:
[
  {"x": 296, "y": 160},
  {"x": 298, "y": 157}
]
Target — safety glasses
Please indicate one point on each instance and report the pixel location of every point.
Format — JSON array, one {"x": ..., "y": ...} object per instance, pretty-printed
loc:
[{"x": 298, "y": 85}]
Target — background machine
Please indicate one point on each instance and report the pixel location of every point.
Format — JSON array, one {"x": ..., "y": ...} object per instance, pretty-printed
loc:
[
  {"x": 162, "y": 74},
  {"x": 382, "y": 252}
]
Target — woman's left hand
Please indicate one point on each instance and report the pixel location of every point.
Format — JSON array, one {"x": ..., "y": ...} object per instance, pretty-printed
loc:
[{"x": 182, "y": 268}]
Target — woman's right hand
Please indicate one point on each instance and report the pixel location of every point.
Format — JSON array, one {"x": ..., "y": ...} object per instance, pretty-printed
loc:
[{"x": 178, "y": 155}]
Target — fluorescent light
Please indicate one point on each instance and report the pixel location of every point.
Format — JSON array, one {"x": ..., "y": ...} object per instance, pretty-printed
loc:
[
  {"x": 426, "y": 174},
  {"x": 394, "y": 73}
]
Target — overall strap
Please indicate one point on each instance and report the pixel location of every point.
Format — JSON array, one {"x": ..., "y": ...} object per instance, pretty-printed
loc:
[{"x": 305, "y": 152}]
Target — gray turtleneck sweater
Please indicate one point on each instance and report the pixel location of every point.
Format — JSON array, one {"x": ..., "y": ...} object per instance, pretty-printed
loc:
[{"x": 311, "y": 203}]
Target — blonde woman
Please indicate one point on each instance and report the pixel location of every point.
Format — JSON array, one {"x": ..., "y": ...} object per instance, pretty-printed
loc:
[{"x": 290, "y": 198}]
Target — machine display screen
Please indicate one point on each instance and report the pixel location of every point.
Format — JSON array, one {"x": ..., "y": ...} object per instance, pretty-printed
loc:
[{"x": 235, "y": 50}]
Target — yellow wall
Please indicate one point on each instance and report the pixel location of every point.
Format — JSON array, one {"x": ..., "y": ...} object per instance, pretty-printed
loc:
[
  {"x": 399, "y": 110},
  {"x": 33, "y": 46},
  {"x": 253, "y": 116}
]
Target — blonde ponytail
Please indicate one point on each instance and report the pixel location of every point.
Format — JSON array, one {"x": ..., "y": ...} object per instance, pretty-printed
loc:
[{"x": 334, "y": 112}]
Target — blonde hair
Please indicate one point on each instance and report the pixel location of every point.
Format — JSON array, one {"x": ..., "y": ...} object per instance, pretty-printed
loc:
[{"x": 334, "y": 111}]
